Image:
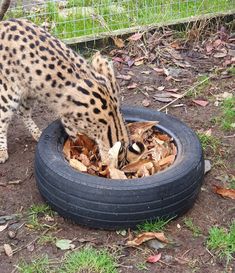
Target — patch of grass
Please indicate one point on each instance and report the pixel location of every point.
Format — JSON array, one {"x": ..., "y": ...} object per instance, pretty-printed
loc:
[
  {"x": 208, "y": 141},
  {"x": 142, "y": 266},
  {"x": 228, "y": 116},
  {"x": 86, "y": 260},
  {"x": 89, "y": 260},
  {"x": 153, "y": 225},
  {"x": 231, "y": 70},
  {"x": 78, "y": 18},
  {"x": 197, "y": 91},
  {"x": 40, "y": 265},
  {"x": 35, "y": 212},
  {"x": 222, "y": 241},
  {"x": 192, "y": 227},
  {"x": 231, "y": 182},
  {"x": 47, "y": 239}
]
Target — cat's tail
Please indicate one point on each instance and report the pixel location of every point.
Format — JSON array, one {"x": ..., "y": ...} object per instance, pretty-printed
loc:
[{"x": 4, "y": 7}]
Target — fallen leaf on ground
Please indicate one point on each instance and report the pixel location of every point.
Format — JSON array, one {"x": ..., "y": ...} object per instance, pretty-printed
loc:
[
  {"x": 118, "y": 42},
  {"x": 135, "y": 166},
  {"x": 124, "y": 77},
  {"x": 64, "y": 244},
  {"x": 202, "y": 103},
  {"x": 146, "y": 236},
  {"x": 113, "y": 154},
  {"x": 167, "y": 160},
  {"x": 146, "y": 102},
  {"x": 76, "y": 164},
  {"x": 137, "y": 129},
  {"x": 224, "y": 191},
  {"x": 220, "y": 54},
  {"x": 67, "y": 148},
  {"x": 162, "y": 99},
  {"x": 161, "y": 88},
  {"x": 8, "y": 250},
  {"x": 132, "y": 86},
  {"x": 135, "y": 37},
  {"x": 3, "y": 227},
  {"x": 154, "y": 258},
  {"x": 207, "y": 164},
  {"x": 116, "y": 174},
  {"x": 31, "y": 247}
]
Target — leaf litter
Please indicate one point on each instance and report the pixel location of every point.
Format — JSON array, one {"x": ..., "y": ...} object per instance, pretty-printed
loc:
[{"x": 160, "y": 152}]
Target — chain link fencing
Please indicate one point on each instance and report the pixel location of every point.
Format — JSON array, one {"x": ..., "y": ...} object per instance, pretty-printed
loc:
[{"x": 87, "y": 19}]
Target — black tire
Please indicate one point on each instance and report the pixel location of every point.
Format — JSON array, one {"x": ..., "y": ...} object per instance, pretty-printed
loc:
[{"x": 112, "y": 204}]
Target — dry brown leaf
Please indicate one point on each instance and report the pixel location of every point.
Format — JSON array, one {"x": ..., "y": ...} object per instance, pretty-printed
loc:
[
  {"x": 154, "y": 258},
  {"x": 139, "y": 128},
  {"x": 85, "y": 141},
  {"x": 202, "y": 103},
  {"x": 124, "y": 77},
  {"x": 146, "y": 102},
  {"x": 116, "y": 174},
  {"x": 3, "y": 227},
  {"x": 113, "y": 154},
  {"x": 118, "y": 42},
  {"x": 135, "y": 37},
  {"x": 135, "y": 166},
  {"x": 167, "y": 160},
  {"x": 67, "y": 148},
  {"x": 132, "y": 86},
  {"x": 85, "y": 160},
  {"x": 76, "y": 164},
  {"x": 146, "y": 236},
  {"x": 224, "y": 192},
  {"x": 8, "y": 250}
]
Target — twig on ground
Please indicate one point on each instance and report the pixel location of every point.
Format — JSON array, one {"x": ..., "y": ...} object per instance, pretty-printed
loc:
[
  {"x": 184, "y": 94},
  {"x": 231, "y": 136},
  {"x": 33, "y": 241}
]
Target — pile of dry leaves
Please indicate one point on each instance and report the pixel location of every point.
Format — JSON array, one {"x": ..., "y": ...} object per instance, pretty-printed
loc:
[{"x": 160, "y": 153}]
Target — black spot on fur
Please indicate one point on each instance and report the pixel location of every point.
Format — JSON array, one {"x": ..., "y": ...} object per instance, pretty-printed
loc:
[
  {"x": 88, "y": 83},
  {"x": 13, "y": 28},
  {"x": 51, "y": 66},
  {"x": 4, "y": 99},
  {"x": 83, "y": 90},
  {"x": 48, "y": 77},
  {"x": 39, "y": 72},
  {"x": 60, "y": 75},
  {"x": 96, "y": 110},
  {"x": 16, "y": 37}
]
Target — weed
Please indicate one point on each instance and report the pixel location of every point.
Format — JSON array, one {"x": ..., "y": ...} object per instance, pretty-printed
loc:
[
  {"x": 208, "y": 141},
  {"x": 142, "y": 266},
  {"x": 228, "y": 116},
  {"x": 153, "y": 225},
  {"x": 47, "y": 239},
  {"x": 40, "y": 265},
  {"x": 231, "y": 182},
  {"x": 89, "y": 260},
  {"x": 222, "y": 241},
  {"x": 231, "y": 70},
  {"x": 205, "y": 82},
  {"x": 190, "y": 225},
  {"x": 86, "y": 260},
  {"x": 35, "y": 212}
]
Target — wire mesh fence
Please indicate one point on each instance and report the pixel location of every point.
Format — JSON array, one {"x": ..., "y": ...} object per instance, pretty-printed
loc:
[{"x": 79, "y": 18}]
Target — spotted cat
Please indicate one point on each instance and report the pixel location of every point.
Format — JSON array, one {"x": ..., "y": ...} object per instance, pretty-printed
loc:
[{"x": 36, "y": 66}]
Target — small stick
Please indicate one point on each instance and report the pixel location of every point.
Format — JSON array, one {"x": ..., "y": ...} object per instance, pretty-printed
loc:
[{"x": 184, "y": 94}]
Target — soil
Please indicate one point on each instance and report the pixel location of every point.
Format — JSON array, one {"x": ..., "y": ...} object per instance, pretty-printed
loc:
[{"x": 186, "y": 253}]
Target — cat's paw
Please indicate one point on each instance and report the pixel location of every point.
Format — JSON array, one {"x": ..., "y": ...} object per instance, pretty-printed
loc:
[{"x": 3, "y": 156}]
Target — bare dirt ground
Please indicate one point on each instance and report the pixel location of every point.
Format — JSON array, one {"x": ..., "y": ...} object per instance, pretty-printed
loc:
[{"x": 186, "y": 253}]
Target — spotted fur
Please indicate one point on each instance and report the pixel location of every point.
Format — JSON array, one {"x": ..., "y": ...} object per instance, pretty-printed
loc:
[{"x": 35, "y": 66}]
